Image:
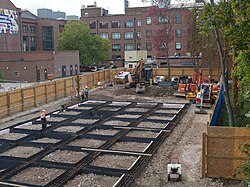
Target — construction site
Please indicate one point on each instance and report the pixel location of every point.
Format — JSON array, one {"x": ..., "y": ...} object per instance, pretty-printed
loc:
[{"x": 118, "y": 137}]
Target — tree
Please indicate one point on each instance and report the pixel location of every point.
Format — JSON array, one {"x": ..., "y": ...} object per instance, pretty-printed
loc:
[
  {"x": 92, "y": 49},
  {"x": 213, "y": 19},
  {"x": 164, "y": 34},
  {"x": 230, "y": 22}
]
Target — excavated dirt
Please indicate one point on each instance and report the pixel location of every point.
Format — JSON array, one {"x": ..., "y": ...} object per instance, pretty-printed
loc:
[
  {"x": 71, "y": 129},
  {"x": 142, "y": 134},
  {"x": 46, "y": 140}
]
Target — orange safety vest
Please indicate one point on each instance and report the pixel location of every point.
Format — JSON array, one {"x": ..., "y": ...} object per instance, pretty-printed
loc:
[{"x": 43, "y": 114}]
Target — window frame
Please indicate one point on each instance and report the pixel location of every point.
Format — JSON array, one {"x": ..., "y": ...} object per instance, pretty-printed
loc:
[{"x": 113, "y": 34}]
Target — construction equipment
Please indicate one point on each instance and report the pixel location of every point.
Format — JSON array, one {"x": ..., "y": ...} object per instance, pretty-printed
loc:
[
  {"x": 207, "y": 95},
  {"x": 174, "y": 169},
  {"x": 201, "y": 97},
  {"x": 136, "y": 79}
]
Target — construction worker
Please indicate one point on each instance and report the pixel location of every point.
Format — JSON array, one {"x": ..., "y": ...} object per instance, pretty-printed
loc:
[
  {"x": 99, "y": 84},
  {"x": 43, "y": 120},
  {"x": 86, "y": 92},
  {"x": 82, "y": 94}
]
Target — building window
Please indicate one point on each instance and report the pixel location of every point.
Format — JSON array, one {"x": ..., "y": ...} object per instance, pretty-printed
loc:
[
  {"x": 128, "y": 47},
  {"x": 138, "y": 23},
  {"x": 116, "y": 57},
  {"x": 25, "y": 28},
  {"x": 138, "y": 46},
  {"x": 116, "y": 47},
  {"x": 178, "y": 19},
  {"x": 92, "y": 25},
  {"x": 104, "y": 35},
  {"x": 148, "y": 33},
  {"x": 178, "y": 33},
  {"x": 103, "y": 25},
  {"x": 86, "y": 14},
  {"x": 178, "y": 45},
  {"x": 128, "y": 35},
  {"x": 116, "y": 24},
  {"x": 25, "y": 43},
  {"x": 47, "y": 38},
  {"x": 33, "y": 43},
  {"x": 138, "y": 35},
  {"x": 16, "y": 73},
  {"x": 148, "y": 20},
  {"x": 128, "y": 23},
  {"x": 32, "y": 29},
  {"x": 116, "y": 35},
  {"x": 149, "y": 46},
  {"x": 163, "y": 19}
]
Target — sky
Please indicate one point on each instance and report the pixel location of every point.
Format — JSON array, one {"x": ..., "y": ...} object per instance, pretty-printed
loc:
[{"x": 73, "y": 7}]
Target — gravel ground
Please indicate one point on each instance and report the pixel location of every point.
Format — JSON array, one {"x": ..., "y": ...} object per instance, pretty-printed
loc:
[
  {"x": 46, "y": 140},
  {"x": 73, "y": 129},
  {"x": 21, "y": 151},
  {"x": 37, "y": 175},
  {"x": 114, "y": 161},
  {"x": 116, "y": 123},
  {"x": 93, "y": 143},
  {"x": 12, "y": 136},
  {"x": 151, "y": 125},
  {"x": 142, "y": 134},
  {"x": 87, "y": 180},
  {"x": 104, "y": 132},
  {"x": 130, "y": 146},
  {"x": 65, "y": 156}
]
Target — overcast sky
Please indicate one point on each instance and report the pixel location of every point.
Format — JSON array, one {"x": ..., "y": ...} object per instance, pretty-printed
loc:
[{"x": 73, "y": 7}]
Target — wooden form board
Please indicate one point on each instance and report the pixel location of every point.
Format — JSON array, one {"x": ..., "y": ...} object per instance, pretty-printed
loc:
[{"x": 223, "y": 155}]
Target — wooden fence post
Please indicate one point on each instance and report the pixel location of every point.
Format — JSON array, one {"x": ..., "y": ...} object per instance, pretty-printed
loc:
[
  {"x": 65, "y": 88},
  {"x": 8, "y": 103},
  {"x": 22, "y": 100},
  {"x": 46, "y": 93},
  {"x": 204, "y": 153},
  {"x": 56, "y": 91},
  {"x": 34, "y": 93}
]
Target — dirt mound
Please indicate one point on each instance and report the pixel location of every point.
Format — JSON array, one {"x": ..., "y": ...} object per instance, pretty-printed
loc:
[{"x": 151, "y": 91}]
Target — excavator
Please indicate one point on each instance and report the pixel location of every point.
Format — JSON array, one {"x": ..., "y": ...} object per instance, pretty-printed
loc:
[{"x": 136, "y": 78}]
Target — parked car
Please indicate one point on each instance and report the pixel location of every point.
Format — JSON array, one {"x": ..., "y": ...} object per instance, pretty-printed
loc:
[
  {"x": 94, "y": 68},
  {"x": 84, "y": 68},
  {"x": 158, "y": 79}
]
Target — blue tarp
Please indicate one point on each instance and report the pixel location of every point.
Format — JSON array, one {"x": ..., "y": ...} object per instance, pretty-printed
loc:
[{"x": 217, "y": 109}]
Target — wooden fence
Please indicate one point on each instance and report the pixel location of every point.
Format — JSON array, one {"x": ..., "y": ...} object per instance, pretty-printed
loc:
[
  {"x": 220, "y": 148},
  {"x": 19, "y": 100},
  {"x": 221, "y": 154}
]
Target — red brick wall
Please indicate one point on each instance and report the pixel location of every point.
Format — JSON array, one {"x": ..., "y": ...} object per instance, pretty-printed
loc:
[{"x": 26, "y": 56}]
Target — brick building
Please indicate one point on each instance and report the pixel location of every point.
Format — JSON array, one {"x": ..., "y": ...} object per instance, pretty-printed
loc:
[
  {"x": 135, "y": 30},
  {"x": 24, "y": 38},
  {"x": 35, "y": 66}
]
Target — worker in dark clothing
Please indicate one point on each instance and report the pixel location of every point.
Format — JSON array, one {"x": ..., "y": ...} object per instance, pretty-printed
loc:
[
  {"x": 43, "y": 120},
  {"x": 86, "y": 92},
  {"x": 82, "y": 94}
]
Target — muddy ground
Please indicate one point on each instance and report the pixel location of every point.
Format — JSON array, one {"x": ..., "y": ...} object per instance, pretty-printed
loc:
[{"x": 185, "y": 142}]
